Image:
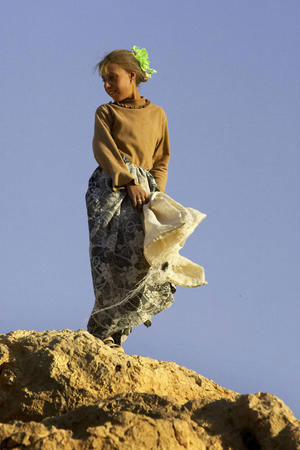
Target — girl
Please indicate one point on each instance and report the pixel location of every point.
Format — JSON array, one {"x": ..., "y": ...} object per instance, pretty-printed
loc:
[{"x": 131, "y": 146}]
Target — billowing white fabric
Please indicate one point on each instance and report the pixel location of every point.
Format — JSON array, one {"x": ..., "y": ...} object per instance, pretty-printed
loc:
[{"x": 167, "y": 225}]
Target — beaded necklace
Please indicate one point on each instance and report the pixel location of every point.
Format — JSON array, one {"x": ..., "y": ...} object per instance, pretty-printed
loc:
[{"x": 131, "y": 106}]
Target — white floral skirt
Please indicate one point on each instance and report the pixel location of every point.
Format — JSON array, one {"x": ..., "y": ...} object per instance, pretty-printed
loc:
[{"x": 116, "y": 233}]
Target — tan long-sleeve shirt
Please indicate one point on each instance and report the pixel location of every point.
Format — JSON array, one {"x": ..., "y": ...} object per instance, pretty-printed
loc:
[{"x": 141, "y": 134}]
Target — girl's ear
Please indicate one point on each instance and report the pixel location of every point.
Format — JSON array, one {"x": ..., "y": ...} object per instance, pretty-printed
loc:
[{"x": 132, "y": 76}]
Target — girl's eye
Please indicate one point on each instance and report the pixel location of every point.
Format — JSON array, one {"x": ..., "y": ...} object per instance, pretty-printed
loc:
[{"x": 110, "y": 79}]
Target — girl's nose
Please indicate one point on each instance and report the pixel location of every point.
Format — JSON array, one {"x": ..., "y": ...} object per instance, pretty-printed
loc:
[{"x": 107, "y": 85}]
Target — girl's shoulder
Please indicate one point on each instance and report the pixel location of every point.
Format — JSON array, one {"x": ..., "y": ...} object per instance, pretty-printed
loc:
[
  {"x": 103, "y": 107},
  {"x": 158, "y": 108}
]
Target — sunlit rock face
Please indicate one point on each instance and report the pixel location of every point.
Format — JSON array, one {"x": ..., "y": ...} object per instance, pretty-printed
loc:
[{"x": 67, "y": 390}]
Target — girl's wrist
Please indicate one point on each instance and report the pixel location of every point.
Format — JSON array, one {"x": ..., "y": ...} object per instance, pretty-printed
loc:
[{"x": 132, "y": 183}]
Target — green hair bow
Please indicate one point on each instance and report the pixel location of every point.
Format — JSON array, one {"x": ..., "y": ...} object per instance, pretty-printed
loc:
[{"x": 141, "y": 55}]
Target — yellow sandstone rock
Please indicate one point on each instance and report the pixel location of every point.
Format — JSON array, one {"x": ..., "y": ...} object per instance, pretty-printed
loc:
[{"x": 67, "y": 390}]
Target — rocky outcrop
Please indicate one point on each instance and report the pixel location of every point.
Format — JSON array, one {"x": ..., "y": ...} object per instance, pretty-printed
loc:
[{"x": 67, "y": 390}]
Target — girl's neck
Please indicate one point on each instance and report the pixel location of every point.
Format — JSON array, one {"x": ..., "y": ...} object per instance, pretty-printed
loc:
[
  {"x": 133, "y": 100},
  {"x": 134, "y": 96}
]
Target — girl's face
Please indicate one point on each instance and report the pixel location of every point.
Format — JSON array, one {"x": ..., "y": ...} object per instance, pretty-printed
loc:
[{"x": 117, "y": 82}]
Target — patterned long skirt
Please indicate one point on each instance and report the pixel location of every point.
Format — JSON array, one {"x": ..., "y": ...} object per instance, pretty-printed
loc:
[{"x": 117, "y": 259}]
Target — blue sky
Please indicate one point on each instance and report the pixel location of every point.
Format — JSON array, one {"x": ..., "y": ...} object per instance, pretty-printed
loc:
[{"x": 228, "y": 80}]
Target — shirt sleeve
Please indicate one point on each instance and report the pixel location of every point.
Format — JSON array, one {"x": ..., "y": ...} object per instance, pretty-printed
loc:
[
  {"x": 107, "y": 153},
  {"x": 161, "y": 157}
]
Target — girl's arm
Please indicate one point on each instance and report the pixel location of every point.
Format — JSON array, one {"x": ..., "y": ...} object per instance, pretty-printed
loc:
[
  {"x": 161, "y": 157},
  {"x": 107, "y": 153}
]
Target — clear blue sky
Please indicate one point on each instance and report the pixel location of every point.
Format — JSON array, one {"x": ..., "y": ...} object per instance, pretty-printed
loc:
[{"x": 228, "y": 80}]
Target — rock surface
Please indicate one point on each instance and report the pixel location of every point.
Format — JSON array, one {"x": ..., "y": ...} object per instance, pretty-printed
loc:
[{"x": 67, "y": 390}]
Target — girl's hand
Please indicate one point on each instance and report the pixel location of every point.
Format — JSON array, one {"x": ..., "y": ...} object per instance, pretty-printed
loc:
[{"x": 138, "y": 196}]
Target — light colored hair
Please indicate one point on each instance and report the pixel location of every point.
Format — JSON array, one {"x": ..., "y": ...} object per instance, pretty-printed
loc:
[{"x": 125, "y": 59}]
